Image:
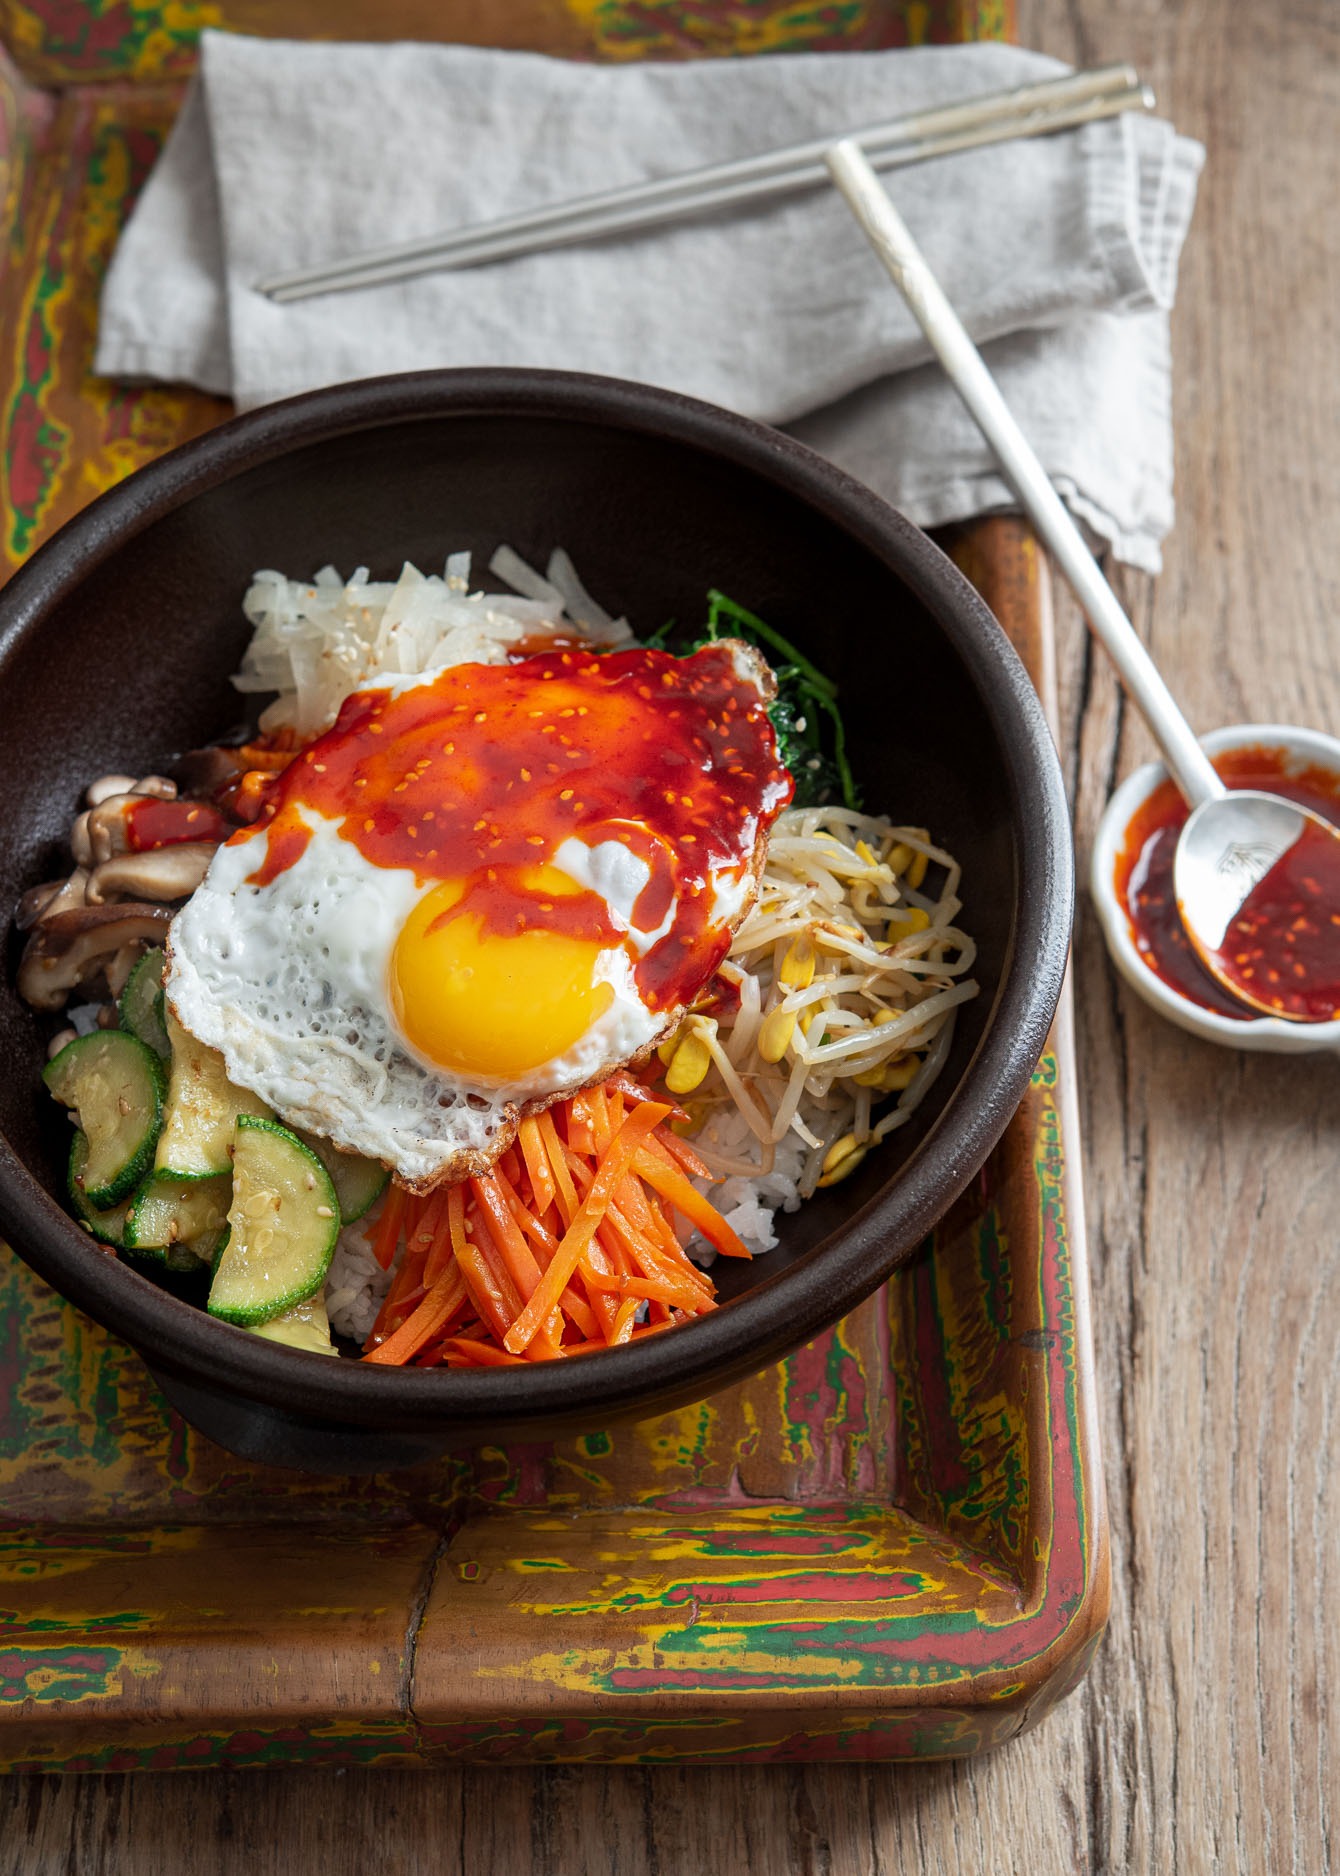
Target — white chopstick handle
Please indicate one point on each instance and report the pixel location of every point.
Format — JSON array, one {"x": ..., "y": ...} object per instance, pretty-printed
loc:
[{"x": 888, "y": 235}]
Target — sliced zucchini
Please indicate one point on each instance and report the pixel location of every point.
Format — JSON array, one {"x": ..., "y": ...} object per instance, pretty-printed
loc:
[
  {"x": 141, "y": 1005},
  {"x": 203, "y": 1107},
  {"x": 181, "y": 1260},
  {"x": 108, "y": 1227},
  {"x": 167, "y": 1212},
  {"x": 115, "y": 1086},
  {"x": 305, "y": 1326},
  {"x": 283, "y": 1223},
  {"x": 358, "y": 1182}
]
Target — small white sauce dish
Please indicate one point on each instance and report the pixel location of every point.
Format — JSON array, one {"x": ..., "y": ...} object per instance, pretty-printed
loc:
[{"x": 1306, "y": 749}]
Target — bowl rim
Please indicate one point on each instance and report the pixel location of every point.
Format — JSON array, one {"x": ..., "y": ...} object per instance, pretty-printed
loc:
[
  {"x": 784, "y": 1309},
  {"x": 1267, "y": 1034}
]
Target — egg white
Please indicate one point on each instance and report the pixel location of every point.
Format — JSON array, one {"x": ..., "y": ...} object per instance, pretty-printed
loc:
[{"x": 289, "y": 981}]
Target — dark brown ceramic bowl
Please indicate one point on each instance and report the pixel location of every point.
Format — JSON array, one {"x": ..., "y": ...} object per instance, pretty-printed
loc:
[{"x": 116, "y": 643}]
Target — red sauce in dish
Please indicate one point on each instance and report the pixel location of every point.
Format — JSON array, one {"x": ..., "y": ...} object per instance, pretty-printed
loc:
[
  {"x": 1284, "y": 945},
  {"x": 482, "y": 774},
  {"x": 1144, "y": 885}
]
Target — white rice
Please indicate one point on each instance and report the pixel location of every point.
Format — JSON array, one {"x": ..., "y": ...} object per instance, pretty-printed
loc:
[
  {"x": 748, "y": 1204},
  {"x": 356, "y": 1284}
]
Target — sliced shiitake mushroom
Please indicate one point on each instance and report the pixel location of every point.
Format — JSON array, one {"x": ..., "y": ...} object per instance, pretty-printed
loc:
[
  {"x": 72, "y": 948},
  {"x": 52, "y": 896},
  {"x": 158, "y": 873}
]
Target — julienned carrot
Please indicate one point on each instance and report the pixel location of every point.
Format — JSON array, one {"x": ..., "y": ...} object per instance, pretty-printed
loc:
[
  {"x": 432, "y": 1226},
  {"x": 486, "y": 1292},
  {"x": 649, "y": 1218},
  {"x": 492, "y": 1193},
  {"x": 623, "y": 1322},
  {"x": 659, "y": 1290},
  {"x": 537, "y": 1165},
  {"x": 473, "y": 1354},
  {"x": 456, "y": 1218},
  {"x": 681, "y": 1151},
  {"x": 535, "y": 1229},
  {"x": 387, "y": 1234},
  {"x": 654, "y": 1165},
  {"x": 629, "y": 1140},
  {"x": 568, "y": 1201},
  {"x": 621, "y": 1082},
  {"x": 502, "y": 1227},
  {"x": 549, "y": 1335},
  {"x": 598, "y": 1109},
  {"x": 689, "y": 1285},
  {"x": 580, "y": 1136},
  {"x": 429, "y": 1319},
  {"x": 407, "y": 1285},
  {"x": 559, "y": 1249}
]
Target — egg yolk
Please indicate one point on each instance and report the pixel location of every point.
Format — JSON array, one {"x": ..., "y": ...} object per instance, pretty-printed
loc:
[{"x": 494, "y": 1005}]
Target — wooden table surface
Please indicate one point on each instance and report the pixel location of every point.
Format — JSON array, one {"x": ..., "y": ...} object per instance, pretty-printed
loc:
[{"x": 1201, "y": 1740}]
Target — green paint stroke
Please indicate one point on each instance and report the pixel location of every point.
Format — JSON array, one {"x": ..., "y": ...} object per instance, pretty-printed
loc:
[
  {"x": 52, "y": 1674},
  {"x": 1049, "y": 1165}
]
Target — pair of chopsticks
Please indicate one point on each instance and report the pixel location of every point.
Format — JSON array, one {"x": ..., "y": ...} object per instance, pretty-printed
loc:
[{"x": 1028, "y": 111}]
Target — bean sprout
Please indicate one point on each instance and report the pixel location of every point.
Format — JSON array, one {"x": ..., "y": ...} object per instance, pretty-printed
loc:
[{"x": 847, "y": 975}]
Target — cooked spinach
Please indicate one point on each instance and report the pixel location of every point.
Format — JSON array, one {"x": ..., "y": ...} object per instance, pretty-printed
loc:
[{"x": 811, "y": 740}]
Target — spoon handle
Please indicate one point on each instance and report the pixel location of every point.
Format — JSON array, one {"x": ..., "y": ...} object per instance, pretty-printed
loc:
[{"x": 887, "y": 233}]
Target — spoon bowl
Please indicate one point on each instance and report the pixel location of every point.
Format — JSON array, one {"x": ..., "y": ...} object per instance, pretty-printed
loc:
[{"x": 1255, "y": 878}]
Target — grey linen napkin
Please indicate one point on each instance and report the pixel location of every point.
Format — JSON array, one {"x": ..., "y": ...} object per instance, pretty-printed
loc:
[{"x": 1061, "y": 252}]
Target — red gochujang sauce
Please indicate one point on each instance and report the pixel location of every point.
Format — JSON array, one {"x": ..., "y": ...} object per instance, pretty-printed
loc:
[
  {"x": 152, "y": 823},
  {"x": 1143, "y": 879},
  {"x": 480, "y": 774}
]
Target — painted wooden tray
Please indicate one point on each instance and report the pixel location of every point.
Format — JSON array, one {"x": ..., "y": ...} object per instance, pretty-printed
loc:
[{"x": 890, "y": 1546}]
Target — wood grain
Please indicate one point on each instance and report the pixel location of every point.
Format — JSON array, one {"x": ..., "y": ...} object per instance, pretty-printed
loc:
[{"x": 1202, "y": 1739}]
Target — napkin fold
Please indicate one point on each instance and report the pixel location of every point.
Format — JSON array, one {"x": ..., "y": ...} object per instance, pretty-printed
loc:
[{"x": 1060, "y": 253}]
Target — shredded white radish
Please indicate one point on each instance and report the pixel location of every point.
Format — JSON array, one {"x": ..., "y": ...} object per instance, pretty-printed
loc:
[{"x": 317, "y": 641}]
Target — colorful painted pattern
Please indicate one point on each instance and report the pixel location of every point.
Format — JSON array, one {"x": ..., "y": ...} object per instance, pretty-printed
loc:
[
  {"x": 889, "y": 1546},
  {"x": 63, "y": 42}
]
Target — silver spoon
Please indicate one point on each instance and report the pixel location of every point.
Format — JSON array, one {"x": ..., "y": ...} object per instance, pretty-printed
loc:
[{"x": 1233, "y": 838}]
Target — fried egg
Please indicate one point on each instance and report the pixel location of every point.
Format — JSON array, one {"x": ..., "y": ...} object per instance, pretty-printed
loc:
[{"x": 480, "y": 892}]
